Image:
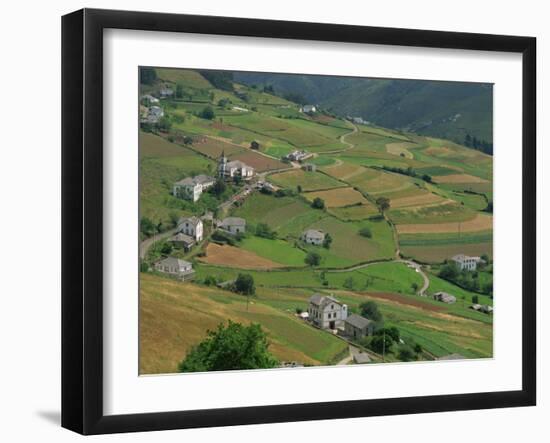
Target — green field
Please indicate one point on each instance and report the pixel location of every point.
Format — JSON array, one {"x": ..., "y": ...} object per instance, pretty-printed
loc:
[
  {"x": 309, "y": 181},
  {"x": 279, "y": 251}
]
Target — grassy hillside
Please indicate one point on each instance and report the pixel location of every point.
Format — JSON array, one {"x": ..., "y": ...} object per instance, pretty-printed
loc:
[
  {"x": 440, "y": 204},
  {"x": 442, "y": 109}
]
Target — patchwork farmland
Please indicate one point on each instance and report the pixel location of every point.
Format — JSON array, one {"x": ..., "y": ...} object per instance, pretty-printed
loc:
[{"x": 392, "y": 208}]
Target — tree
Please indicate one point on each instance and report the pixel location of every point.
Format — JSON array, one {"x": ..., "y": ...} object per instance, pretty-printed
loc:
[
  {"x": 147, "y": 76},
  {"x": 187, "y": 140},
  {"x": 263, "y": 230},
  {"x": 365, "y": 232},
  {"x": 313, "y": 259},
  {"x": 219, "y": 79},
  {"x": 370, "y": 310},
  {"x": 146, "y": 226},
  {"x": 223, "y": 102},
  {"x": 393, "y": 332},
  {"x": 349, "y": 283},
  {"x": 164, "y": 124},
  {"x": 406, "y": 354},
  {"x": 383, "y": 203},
  {"x": 299, "y": 189},
  {"x": 219, "y": 187},
  {"x": 475, "y": 299},
  {"x": 165, "y": 248},
  {"x": 299, "y": 311},
  {"x": 254, "y": 145},
  {"x": 449, "y": 271},
  {"x": 327, "y": 241},
  {"x": 245, "y": 284},
  {"x": 381, "y": 343},
  {"x": 418, "y": 348},
  {"x": 318, "y": 203},
  {"x": 414, "y": 286},
  {"x": 207, "y": 113},
  {"x": 179, "y": 90},
  {"x": 230, "y": 347}
]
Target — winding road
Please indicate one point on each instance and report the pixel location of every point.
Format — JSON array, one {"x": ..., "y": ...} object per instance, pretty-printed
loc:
[{"x": 410, "y": 263}]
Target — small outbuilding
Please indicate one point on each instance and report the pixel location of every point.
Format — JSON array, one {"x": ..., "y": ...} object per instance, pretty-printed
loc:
[
  {"x": 444, "y": 297},
  {"x": 313, "y": 237},
  {"x": 182, "y": 241},
  {"x": 176, "y": 267},
  {"x": 233, "y": 225},
  {"x": 356, "y": 326}
]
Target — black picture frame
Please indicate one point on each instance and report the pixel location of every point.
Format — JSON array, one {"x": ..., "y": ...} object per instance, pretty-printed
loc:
[{"x": 82, "y": 218}]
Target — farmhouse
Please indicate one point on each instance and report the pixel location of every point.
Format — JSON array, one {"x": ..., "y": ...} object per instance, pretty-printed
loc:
[
  {"x": 356, "y": 326},
  {"x": 309, "y": 167},
  {"x": 149, "y": 98},
  {"x": 466, "y": 262},
  {"x": 233, "y": 225},
  {"x": 191, "y": 188},
  {"x": 166, "y": 92},
  {"x": 182, "y": 241},
  {"x": 306, "y": 109},
  {"x": 444, "y": 297},
  {"x": 236, "y": 168},
  {"x": 486, "y": 309},
  {"x": 174, "y": 266},
  {"x": 327, "y": 312},
  {"x": 313, "y": 237},
  {"x": 191, "y": 226},
  {"x": 297, "y": 156}
]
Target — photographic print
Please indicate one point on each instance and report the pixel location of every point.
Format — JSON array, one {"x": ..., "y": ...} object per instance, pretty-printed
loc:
[{"x": 293, "y": 220}]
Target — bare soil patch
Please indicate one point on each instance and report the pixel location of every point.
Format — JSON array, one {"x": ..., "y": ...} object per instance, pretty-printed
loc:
[
  {"x": 335, "y": 198},
  {"x": 233, "y": 257}
]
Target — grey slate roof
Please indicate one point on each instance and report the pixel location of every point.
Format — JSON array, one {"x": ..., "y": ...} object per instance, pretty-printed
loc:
[
  {"x": 314, "y": 233},
  {"x": 358, "y": 321},
  {"x": 198, "y": 179},
  {"x": 233, "y": 221},
  {"x": 183, "y": 238},
  {"x": 191, "y": 220},
  {"x": 173, "y": 261},
  {"x": 316, "y": 299}
]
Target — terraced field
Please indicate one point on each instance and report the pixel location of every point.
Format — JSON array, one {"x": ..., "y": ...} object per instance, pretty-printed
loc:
[{"x": 309, "y": 181}]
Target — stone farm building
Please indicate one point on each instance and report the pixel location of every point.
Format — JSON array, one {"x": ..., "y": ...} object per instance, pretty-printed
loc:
[
  {"x": 308, "y": 108},
  {"x": 311, "y": 167},
  {"x": 176, "y": 267},
  {"x": 152, "y": 114},
  {"x": 191, "y": 226},
  {"x": 466, "y": 262},
  {"x": 191, "y": 188},
  {"x": 326, "y": 312},
  {"x": 298, "y": 156},
  {"x": 444, "y": 297},
  {"x": 313, "y": 237},
  {"x": 182, "y": 241},
  {"x": 356, "y": 326},
  {"x": 231, "y": 169},
  {"x": 233, "y": 225}
]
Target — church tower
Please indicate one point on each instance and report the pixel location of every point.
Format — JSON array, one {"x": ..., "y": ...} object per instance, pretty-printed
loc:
[{"x": 222, "y": 165}]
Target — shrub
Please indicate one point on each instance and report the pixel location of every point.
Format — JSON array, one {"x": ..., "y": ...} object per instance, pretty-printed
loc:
[
  {"x": 365, "y": 232},
  {"x": 318, "y": 203},
  {"x": 313, "y": 259}
]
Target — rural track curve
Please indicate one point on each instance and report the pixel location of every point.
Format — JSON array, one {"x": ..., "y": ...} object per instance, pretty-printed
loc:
[{"x": 410, "y": 263}]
